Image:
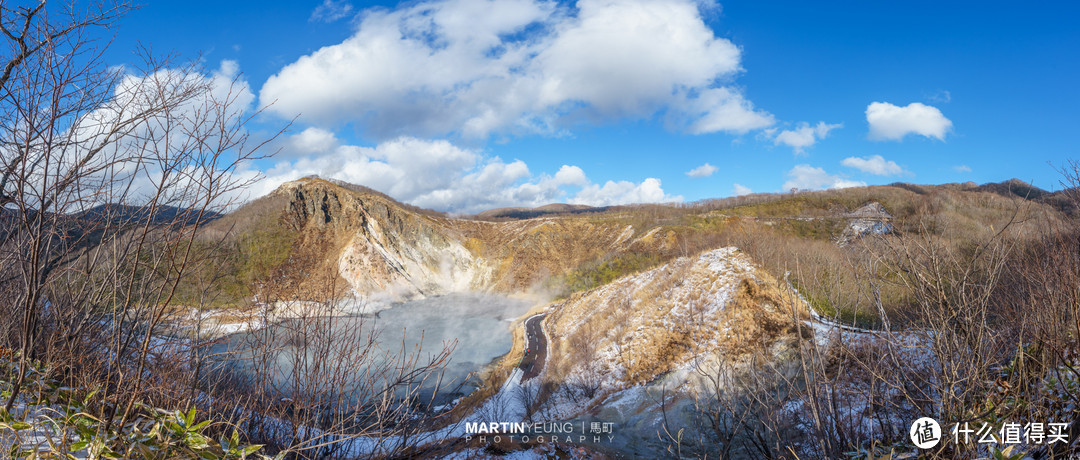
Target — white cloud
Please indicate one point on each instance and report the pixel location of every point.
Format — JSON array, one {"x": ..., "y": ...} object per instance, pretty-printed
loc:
[
  {"x": 890, "y": 122},
  {"x": 704, "y": 170},
  {"x": 806, "y": 177},
  {"x": 430, "y": 173},
  {"x": 311, "y": 140},
  {"x": 624, "y": 192},
  {"x": 161, "y": 128},
  {"x": 740, "y": 190},
  {"x": 804, "y": 135},
  {"x": 962, "y": 168},
  {"x": 437, "y": 174},
  {"x": 570, "y": 175},
  {"x": 330, "y": 11},
  {"x": 876, "y": 165},
  {"x": 720, "y": 109},
  {"x": 477, "y": 67}
]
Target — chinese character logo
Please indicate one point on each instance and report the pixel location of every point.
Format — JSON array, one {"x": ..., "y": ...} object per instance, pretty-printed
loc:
[{"x": 925, "y": 433}]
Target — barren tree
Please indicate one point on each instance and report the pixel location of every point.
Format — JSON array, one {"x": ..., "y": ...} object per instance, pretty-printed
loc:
[{"x": 106, "y": 176}]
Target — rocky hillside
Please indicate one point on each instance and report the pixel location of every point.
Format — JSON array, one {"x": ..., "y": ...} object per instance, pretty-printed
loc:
[
  {"x": 642, "y": 326},
  {"x": 376, "y": 247},
  {"x": 313, "y": 233}
]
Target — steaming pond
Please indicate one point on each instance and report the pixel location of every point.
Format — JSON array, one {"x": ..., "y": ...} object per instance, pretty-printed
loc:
[{"x": 478, "y": 326}]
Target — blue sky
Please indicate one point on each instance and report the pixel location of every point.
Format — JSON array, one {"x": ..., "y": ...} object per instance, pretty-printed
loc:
[{"x": 464, "y": 105}]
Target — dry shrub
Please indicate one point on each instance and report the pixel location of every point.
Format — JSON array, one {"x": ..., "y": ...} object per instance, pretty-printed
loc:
[
  {"x": 656, "y": 352},
  {"x": 761, "y": 314}
]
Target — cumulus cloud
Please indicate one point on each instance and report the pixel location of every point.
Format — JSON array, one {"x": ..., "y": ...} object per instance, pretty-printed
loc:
[
  {"x": 719, "y": 109},
  {"x": 704, "y": 170},
  {"x": 962, "y": 168},
  {"x": 160, "y": 128},
  {"x": 435, "y": 174},
  {"x": 477, "y": 67},
  {"x": 891, "y": 122},
  {"x": 876, "y": 165},
  {"x": 806, "y": 177},
  {"x": 571, "y": 175},
  {"x": 330, "y": 11},
  {"x": 439, "y": 175},
  {"x": 804, "y": 135},
  {"x": 311, "y": 140},
  {"x": 195, "y": 91},
  {"x": 740, "y": 190},
  {"x": 624, "y": 192}
]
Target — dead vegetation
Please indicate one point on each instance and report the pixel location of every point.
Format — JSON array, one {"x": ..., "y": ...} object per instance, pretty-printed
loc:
[
  {"x": 639, "y": 327},
  {"x": 108, "y": 177},
  {"x": 974, "y": 309}
]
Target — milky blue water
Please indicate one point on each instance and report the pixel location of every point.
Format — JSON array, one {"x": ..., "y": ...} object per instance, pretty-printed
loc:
[{"x": 475, "y": 326}]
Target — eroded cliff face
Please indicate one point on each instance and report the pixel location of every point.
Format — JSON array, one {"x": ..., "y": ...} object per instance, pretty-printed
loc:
[
  {"x": 387, "y": 251},
  {"x": 380, "y": 248}
]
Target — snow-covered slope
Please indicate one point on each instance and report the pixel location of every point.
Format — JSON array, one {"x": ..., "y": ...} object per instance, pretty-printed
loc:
[{"x": 678, "y": 315}]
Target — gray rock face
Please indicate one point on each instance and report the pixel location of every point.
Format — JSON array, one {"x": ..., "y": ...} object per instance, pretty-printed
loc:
[{"x": 870, "y": 219}]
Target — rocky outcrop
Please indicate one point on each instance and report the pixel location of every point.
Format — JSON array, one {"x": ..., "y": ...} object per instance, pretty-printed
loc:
[
  {"x": 386, "y": 250},
  {"x": 639, "y": 327},
  {"x": 380, "y": 247},
  {"x": 870, "y": 219}
]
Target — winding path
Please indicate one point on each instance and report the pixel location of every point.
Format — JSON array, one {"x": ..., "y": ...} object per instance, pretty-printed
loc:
[{"x": 535, "y": 348}]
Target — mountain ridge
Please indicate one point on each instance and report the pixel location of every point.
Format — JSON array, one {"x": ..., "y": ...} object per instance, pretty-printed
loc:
[{"x": 374, "y": 245}]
